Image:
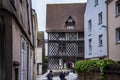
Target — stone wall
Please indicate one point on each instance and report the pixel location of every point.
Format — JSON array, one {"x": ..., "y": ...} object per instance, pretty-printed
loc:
[{"x": 109, "y": 75}]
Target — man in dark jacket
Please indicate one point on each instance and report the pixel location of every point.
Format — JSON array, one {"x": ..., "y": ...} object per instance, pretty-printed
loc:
[
  {"x": 50, "y": 75},
  {"x": 62, "y": 76}
]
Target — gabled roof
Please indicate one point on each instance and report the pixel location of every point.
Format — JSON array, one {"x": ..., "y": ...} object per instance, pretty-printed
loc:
[{"x": 57, "y": 15}]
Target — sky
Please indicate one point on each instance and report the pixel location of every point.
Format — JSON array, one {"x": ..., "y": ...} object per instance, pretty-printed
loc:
[{"x": 40, "y": 7}]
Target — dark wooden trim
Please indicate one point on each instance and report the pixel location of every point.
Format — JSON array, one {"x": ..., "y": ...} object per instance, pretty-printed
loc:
[
  {"x": 72, "y": 44},
  {"x": 74, "y": 30}
]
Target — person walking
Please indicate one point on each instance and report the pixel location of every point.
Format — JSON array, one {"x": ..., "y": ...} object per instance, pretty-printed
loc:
[
  {"x": 62, "y": 76},
  {"x": 72, "y": 76},
  {"x": 50, "y": 75}
]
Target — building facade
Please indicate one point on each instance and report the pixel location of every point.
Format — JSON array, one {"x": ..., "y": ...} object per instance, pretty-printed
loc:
[
  {"x": 113, "y": 27},
  {"x": 16, "y": 40},
  {"x": 65, "y": 28},
  {"x": 95, "y": 29},
  {"x": 46, "y": 47},
  {"x": 35, "y": 26},
  {"x": 40, "y": 53}
]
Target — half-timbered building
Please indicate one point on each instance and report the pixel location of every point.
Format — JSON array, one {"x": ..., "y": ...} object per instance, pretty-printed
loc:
[{"x": 65, "y": 28}]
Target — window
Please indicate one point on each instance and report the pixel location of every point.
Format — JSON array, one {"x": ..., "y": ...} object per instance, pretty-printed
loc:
[
  {"x": 70, "y": 27},
  {"x": 72, "y": 36},
  {"x": 23, "y": 58},
  {"x": 61, "y": 47},
  {"x": 70, "y": 20},
  {"x": 13, "y": 2},
  {"x": 90, "y": 46},
  {"x": 61, "y": 36},
  {"x": 21, "y": 1},
  {"x": 118, "y": 7},
  {"x": 28, "y": 16},
  {"x": 70, "y": 23},
  {"x": 100, "y": 40},
  {"x": 90, "y": 25},
  {"x": 80, "y": 36},
  {"x": 100, "y": 18},
  {"x": 118, "y": 35},
  {"x": 96, "y": 2}
]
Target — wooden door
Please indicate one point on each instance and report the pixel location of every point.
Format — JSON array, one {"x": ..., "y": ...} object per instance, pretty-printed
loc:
[{"x": 69, "y": 63}]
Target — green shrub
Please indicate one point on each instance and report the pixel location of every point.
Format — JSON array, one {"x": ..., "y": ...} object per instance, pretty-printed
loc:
[{"x": 83, "y": 66}]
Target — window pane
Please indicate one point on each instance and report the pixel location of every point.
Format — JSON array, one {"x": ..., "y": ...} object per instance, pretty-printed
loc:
[
  {"x": 119, "y": 35},
  {"x": 90, "y": 25},
  {"x": 23, "y": 45},
  {"x": 100, "y": 18},
  {"x": 70, "y": 23},
  {"x": 90, "y": 46},
  {"x": 118, "y": 7},
  {"x": 61, "y": 35},
  {"x": 96, "y": 2},
  {"x": 100, "y": 40}
]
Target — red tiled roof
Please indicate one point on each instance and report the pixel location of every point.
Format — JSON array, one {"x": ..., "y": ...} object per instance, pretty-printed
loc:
[{"x": 57, "y": 14}]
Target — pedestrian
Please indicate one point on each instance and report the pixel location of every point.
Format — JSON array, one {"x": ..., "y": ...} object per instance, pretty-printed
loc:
[
  {"x": 50, "y": 75},
  {"x": 62, "y": 76},
  {"x": 72, "y": 76}
]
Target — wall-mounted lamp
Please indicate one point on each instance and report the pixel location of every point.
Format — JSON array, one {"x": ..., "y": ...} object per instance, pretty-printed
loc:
[{"x": 16, "y": 63}]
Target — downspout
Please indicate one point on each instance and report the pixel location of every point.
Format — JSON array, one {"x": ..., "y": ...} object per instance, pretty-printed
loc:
[{"x": 107, "y": 31}]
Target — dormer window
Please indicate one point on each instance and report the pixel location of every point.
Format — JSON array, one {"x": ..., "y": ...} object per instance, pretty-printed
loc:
[
  {"x": 70, "y": 23},
  {"x": 70, "y": 20}
]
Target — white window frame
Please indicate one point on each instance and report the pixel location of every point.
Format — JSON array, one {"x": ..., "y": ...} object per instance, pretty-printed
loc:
[
  {"x": 100, "y": 18},
  {"x": 31, "y": 64},
  {"x": 118, "y": 35},
  {"x": 118, "y": 8},
  {"x": 70, "y": 20},
  {"x": 70, "y": 27},
  {"x": 90, "y": 25},
  {"x": 96, "y": 2},
  {"x": 100, "y": 40},
  {"x": 90, "y": 46},
  {"x": 23, "y": 59}
]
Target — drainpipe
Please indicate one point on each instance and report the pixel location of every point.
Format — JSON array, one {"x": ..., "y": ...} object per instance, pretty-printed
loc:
[{"x": 107, "y": 31}]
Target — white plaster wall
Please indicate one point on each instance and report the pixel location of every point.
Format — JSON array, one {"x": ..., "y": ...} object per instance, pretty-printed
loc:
[
  {"x": 39, "y": 55},
  {"x": 40, "y": 69},
  {"x": 92, "y": 12},
  {"x": 46, "y": 49}
]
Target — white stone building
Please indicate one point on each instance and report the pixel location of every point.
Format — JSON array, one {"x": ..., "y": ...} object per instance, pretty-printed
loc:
[{"x": 95, "y": 29}]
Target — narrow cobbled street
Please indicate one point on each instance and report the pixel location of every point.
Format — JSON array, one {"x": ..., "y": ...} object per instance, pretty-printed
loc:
[{"x": 67, "y": 77}]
